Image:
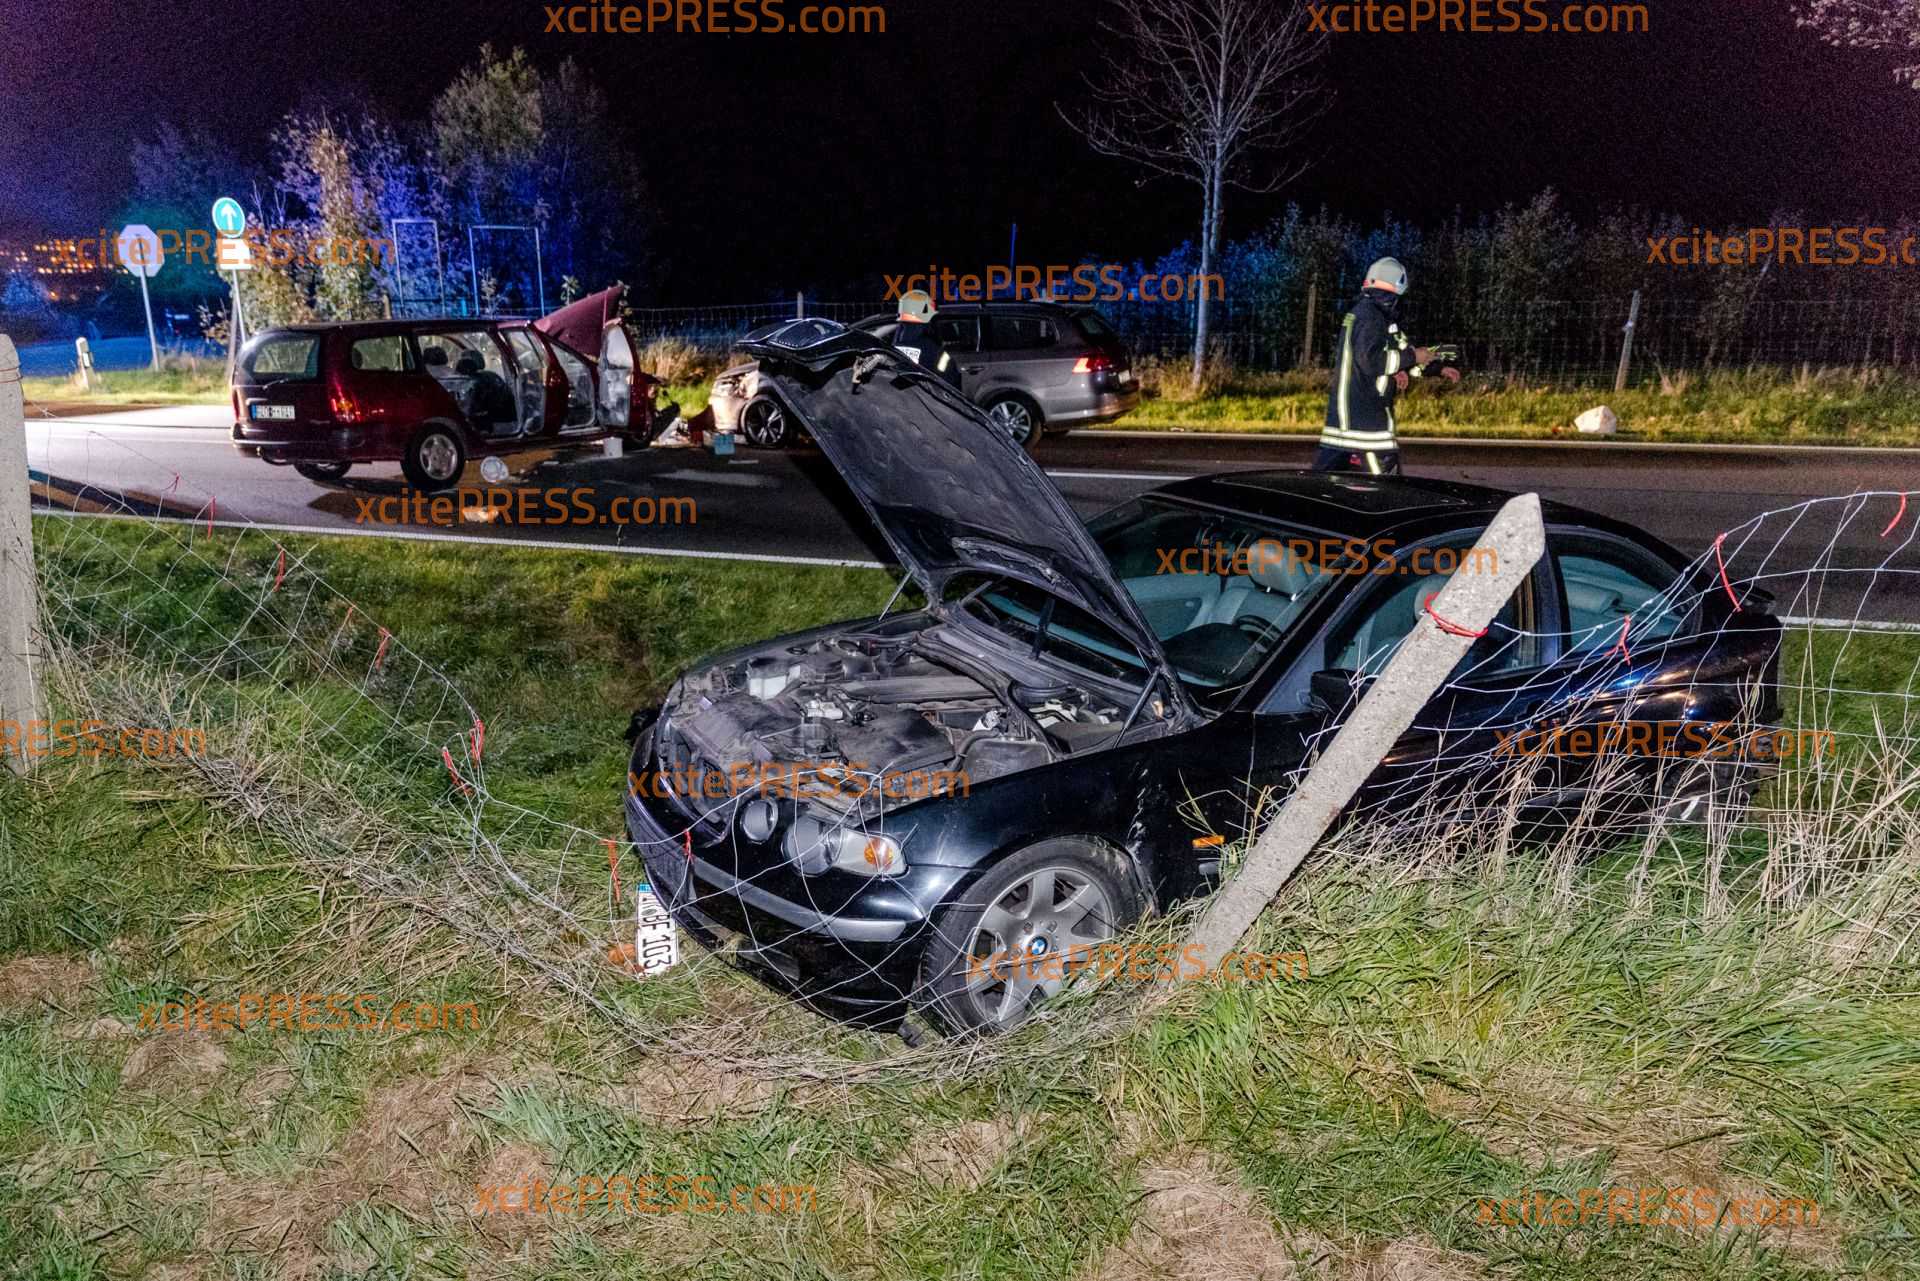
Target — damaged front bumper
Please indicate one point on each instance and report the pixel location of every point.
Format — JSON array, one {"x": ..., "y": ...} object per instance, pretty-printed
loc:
[{"x": 847, "y": 945}]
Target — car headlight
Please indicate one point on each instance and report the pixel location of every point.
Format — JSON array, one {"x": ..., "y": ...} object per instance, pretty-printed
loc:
[{"x": 812, "y": 848}]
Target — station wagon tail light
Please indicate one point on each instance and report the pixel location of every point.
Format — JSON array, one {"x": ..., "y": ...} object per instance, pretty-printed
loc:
[
  {"x": 1098, "y": 363},
  {"x": 345, "y": 409}
]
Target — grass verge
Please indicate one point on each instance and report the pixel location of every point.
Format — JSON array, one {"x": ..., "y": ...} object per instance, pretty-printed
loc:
[{"x": 1467, "y": 1032}]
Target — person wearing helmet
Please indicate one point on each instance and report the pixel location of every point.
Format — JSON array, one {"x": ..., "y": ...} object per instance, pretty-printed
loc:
[
  {"x": 914, "y": 335},
  {"x": 1376, "y": 362}
]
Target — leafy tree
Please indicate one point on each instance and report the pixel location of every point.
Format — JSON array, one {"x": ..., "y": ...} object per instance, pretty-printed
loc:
[
  {"x": 1867, "y": 24},
  {"x": 1207, "y": 91}
]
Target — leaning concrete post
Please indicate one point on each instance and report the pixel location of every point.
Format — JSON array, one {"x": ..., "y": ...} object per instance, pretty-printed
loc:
[
  {"x": 1470, "y": 601},
  {"x": 19, "y": 601}
]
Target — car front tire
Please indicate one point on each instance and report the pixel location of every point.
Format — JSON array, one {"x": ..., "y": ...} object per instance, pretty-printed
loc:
[
  {"x": 1019, "y": 417},
  {"x": 323, "y": 472},
  {"x": 434, "y": 458},
  {"x": 1043, "y": 900}
]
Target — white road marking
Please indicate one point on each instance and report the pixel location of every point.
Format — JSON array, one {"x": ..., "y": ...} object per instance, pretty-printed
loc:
[
  {"x": 625, "y": 550},
  {"x": 1120, "y": 475},
  {"x": 1850, "y": 625}
]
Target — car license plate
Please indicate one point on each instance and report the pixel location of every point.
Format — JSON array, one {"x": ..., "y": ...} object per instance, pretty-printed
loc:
[
  {"x": 273, "y": 411},
  {"x": 1126, "y": 376},
  {"x": 656, "y": 943}
]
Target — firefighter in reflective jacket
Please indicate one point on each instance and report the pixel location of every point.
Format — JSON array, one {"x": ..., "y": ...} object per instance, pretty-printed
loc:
[
  {"x": 1375, "y": 364},
  {"x": 915, "y": 336}
]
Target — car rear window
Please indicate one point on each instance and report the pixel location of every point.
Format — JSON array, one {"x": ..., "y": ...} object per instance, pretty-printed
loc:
[
  {"x": 1094, "y": 325},
  {"x": 291, "y": 357},
  {"x": 386, "y": 354},
  {"x": 1019, "y": 333}
]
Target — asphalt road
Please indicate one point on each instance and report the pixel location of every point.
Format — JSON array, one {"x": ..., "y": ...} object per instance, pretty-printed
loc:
[{"x": 1833, "y": 558}]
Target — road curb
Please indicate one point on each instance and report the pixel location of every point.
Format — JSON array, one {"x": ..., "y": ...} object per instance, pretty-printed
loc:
[{"x": 1489, "y": 442}]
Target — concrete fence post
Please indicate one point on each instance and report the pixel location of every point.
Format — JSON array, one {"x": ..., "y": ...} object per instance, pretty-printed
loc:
[
  {"x": 1469, "y": 602},
  {"x": 1313, "y": 306},
  {"x": 20, "y": 695},
  {"x": 1626, "y": 343}
]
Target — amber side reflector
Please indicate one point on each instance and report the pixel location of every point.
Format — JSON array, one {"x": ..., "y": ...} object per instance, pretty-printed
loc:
[{"x": 1208, "y": 842}]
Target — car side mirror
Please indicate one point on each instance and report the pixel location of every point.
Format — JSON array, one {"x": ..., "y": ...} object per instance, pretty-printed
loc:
[{"x": 1332, "y": 690}]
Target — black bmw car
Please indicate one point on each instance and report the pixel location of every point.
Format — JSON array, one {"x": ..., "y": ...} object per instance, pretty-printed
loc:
[{"x": 1105, "y": 709}]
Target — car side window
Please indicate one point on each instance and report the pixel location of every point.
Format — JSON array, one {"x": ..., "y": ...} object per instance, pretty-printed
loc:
[
  {"x": 461, "y": 354},
  {"x": 1366, "y": 640},
  {"x": 1606, "y": 582},
  {"x": 957, "y": 333},
  {"x": 1019, "y": 333},
  {"x": 387, "y": 354}
]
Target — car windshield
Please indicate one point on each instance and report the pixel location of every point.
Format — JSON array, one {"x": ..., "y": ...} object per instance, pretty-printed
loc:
[{"x": 1219, "y": 593}]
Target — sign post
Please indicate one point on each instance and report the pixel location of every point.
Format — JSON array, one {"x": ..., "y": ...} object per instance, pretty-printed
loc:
[
  {"x": 140, "y": 254},
  {"x": 229, "y": 219}
]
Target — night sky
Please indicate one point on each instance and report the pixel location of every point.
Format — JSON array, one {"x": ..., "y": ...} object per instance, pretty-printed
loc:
[{"x": 786, "y": 161}]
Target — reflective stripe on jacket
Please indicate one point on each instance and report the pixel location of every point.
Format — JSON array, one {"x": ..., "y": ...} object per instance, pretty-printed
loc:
[{"x": 1372, "y": 351}]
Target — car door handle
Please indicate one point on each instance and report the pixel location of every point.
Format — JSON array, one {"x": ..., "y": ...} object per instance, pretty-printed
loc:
[{"x": 973, "y": 369}]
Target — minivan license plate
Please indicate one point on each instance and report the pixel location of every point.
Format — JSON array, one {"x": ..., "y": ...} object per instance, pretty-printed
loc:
[{"x": 273, "y": 411}]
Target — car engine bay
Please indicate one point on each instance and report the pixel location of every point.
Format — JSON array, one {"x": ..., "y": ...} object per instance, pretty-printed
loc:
[{"x": 857, "y": 709}]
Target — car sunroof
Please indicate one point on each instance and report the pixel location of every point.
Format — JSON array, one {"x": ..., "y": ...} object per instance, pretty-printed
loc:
[{"x": 1356, "y": 493}]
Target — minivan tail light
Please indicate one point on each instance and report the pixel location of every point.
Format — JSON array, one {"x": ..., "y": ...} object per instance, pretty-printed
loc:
[
  {"x": 344, "y": 408},
  {"x": 1097, "y": 363}
]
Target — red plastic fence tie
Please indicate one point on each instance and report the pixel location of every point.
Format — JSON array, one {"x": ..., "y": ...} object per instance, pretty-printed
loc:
[
  {"x": 175, "y": 486},
  {"x": 1896, "y": 517},
  {"x": 613, "y": 866},
  {"x": 1723, "y": 573},
  {"x": 1621, "y": 644},
  {"x": 280, "y": 572},
  {"x": 349, "y": 621},
  {"x": 381, "y": 653},
  {"x": 479, "y": 737},
  {"x": 213, "y": 506},
  {"x": 458, "y": 782},
  {"x": 1451, "y": 629},
  {"x": 687, "y": 836}
]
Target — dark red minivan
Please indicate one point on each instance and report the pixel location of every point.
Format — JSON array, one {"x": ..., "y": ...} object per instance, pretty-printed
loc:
[{"x": 431, "y": 394}]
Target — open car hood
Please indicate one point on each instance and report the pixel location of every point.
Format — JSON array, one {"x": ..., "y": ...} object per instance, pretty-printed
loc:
[{"x": 948, "y": 489}]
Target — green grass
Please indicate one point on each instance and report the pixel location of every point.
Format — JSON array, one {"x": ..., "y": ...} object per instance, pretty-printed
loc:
[
  {"x": 1829, "y": 408},
  {"x": 1466, "y": 1035},
  {"x": 199, "y": 382}
]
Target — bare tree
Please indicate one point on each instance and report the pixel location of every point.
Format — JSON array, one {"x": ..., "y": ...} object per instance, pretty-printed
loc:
[
  {"x": 1213, "y": 91},
  {"x": 1866, "y": 24}
]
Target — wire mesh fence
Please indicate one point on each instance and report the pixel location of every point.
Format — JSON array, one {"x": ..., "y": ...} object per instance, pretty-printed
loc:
[
  {"x": 1572, "y": 342},
  {"x": 340, "y": 737}
]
